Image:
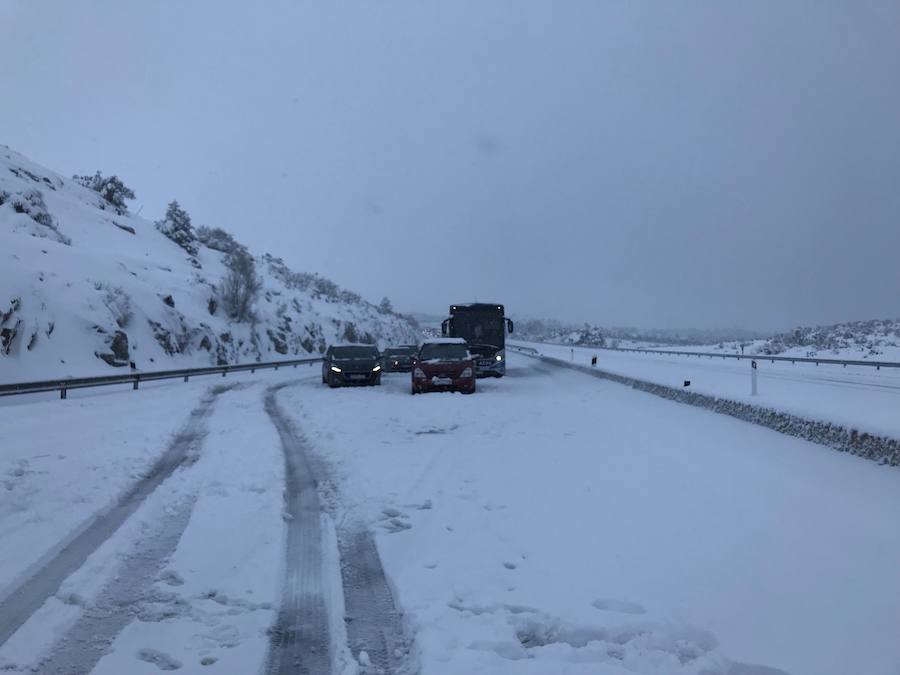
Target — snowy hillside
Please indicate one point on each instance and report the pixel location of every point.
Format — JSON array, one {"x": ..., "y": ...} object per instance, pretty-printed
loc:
[
  {"x": 875, "y": 339},
  {"x": 86, "y": 288},
  {"x": 588, "y": 335}
]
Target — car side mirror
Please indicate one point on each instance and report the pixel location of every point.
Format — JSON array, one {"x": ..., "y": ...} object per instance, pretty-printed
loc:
[
  {"x": 445, "y": 327},
  {"x": 509, "y": 325}
]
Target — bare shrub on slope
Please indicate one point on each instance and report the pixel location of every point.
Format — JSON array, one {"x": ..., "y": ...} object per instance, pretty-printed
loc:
[{"x": 241, "y": 285}]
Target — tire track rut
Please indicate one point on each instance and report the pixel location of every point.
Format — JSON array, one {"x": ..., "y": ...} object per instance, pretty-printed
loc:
[
  {"x": 19, "y": 603},
  {"x": 122, "y": 599},
  {"x": 300, "y": 641}
]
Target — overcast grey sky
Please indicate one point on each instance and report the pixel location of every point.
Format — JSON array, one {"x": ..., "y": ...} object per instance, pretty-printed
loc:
[{"x": 670, "y": 164}]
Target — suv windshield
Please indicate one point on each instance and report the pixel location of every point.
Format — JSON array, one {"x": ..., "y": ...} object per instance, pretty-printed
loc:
[
  {"x": 449, "y": 352},
  {"x": 401, "y": 351},
  {"x": 361, "y": 352}
]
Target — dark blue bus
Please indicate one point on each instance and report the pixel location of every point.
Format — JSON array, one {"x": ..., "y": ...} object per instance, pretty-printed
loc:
[{"x": 483, "y": 326}]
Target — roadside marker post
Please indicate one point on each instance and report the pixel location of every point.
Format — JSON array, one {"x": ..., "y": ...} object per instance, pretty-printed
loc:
[{"x": 753, "y": 391}]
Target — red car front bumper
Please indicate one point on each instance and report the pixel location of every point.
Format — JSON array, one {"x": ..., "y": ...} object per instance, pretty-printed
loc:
[
  {"x": 464, "y": 385},
  {"x": 443, "y": 377}
]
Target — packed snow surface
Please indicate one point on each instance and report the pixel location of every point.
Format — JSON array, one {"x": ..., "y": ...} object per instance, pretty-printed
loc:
[
  {"x": 551, "y": 523},
  {"x": 556, "y": 523}
]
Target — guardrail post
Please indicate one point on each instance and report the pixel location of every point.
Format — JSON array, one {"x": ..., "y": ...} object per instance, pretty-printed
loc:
[
  {"x": 224, "y": 372},
  {"x": 186, "y": 378},
  {"x": 62, "y": 392},
  {"x": 137, "y": 379}
]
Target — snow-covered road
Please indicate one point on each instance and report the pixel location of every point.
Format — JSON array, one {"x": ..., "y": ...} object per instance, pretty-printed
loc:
[
  {"x": 552, "y": 523},
  {"x": 557, "y": 523}
]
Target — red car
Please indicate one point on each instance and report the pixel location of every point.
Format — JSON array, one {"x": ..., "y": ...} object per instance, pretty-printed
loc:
[{"x": 443, "y": 365}]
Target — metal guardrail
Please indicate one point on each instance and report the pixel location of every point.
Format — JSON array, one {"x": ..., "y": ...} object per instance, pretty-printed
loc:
[
  {"x": 135, "y": 378},
  {"x": 878, "y": 365}
]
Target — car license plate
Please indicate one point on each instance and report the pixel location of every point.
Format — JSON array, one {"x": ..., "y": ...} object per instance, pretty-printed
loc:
[
  {"x": 357, "y": 376},
  {"x": 486, "y": 363},
  {"x": 441, "y": 381}
]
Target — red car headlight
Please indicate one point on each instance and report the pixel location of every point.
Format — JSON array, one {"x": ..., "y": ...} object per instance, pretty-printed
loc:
[
  {"x": 418, "y": 373},
  {"x": 467, "y": 372}
]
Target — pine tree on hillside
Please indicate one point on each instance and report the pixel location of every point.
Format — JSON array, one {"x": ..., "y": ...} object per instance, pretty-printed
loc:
[
  {"x": 111, "y": 188},
  {"x": 177, "y": 227},
  {"x": 386, "y": 306}
]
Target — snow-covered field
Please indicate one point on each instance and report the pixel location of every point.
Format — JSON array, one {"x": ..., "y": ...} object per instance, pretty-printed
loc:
[
  {"x": 859, "y": 397},
  {"x": 552, "y": 523}
]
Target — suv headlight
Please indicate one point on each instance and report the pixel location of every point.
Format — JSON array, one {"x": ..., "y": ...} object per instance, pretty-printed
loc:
[
  {"x": 419, "y": 373},
  {"x": 376, "y": 369},
  {"x": 336, "y": 369},
  {"x": 467, "y": 372},
  {"x": 499, "y": 357}
]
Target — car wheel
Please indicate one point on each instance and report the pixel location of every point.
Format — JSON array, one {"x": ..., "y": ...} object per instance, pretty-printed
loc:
[
  {"x": 331, "y": 381},
  {"x": 377, "y": 380}
]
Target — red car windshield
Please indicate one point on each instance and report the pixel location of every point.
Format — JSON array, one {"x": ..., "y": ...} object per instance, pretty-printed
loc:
[{"x": 444, "y": 352}]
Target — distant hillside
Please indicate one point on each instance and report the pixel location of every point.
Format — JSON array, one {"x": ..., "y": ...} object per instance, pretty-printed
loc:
[
  {"x": 863, "y": 339},
  {"x": 87, "y": 287},
  {"x": 873, "y": 339},
  {"x": 549, "y": 330}
]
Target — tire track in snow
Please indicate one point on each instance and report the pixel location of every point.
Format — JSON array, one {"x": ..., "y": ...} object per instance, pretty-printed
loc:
[
  {"x": 120, "y": 601},
  {"x": 374, "y": 625},
  {"x": 17, "y": 605},
  {"x": 375, "y": 630},
  {"x": 300, "y": 642}
]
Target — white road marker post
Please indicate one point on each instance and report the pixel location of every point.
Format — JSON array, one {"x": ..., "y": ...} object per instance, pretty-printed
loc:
[
  {"x": 753, "y": 391},
  {"x": 573, "y": 355}
]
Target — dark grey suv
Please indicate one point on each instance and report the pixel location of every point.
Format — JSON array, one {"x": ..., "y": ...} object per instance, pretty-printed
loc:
[{"x": 350, "y": 365}]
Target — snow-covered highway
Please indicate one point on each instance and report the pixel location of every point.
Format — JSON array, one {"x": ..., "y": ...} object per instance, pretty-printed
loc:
[{"x": 552, "y": 523}]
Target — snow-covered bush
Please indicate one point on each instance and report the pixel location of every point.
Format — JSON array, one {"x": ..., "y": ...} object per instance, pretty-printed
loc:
[
  {"x": 240, "y": 286},
  {"x": 177, "y": 227},
  {"x": 111, "y": 188},
  {"x": 31, "y": 202},
  {"x": 217, "y": 239}
]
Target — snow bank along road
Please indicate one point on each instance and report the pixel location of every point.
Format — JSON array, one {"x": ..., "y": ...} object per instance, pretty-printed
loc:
[
  {"x": 552, "y": 523},
  {"x": 856, "y": 396}
]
